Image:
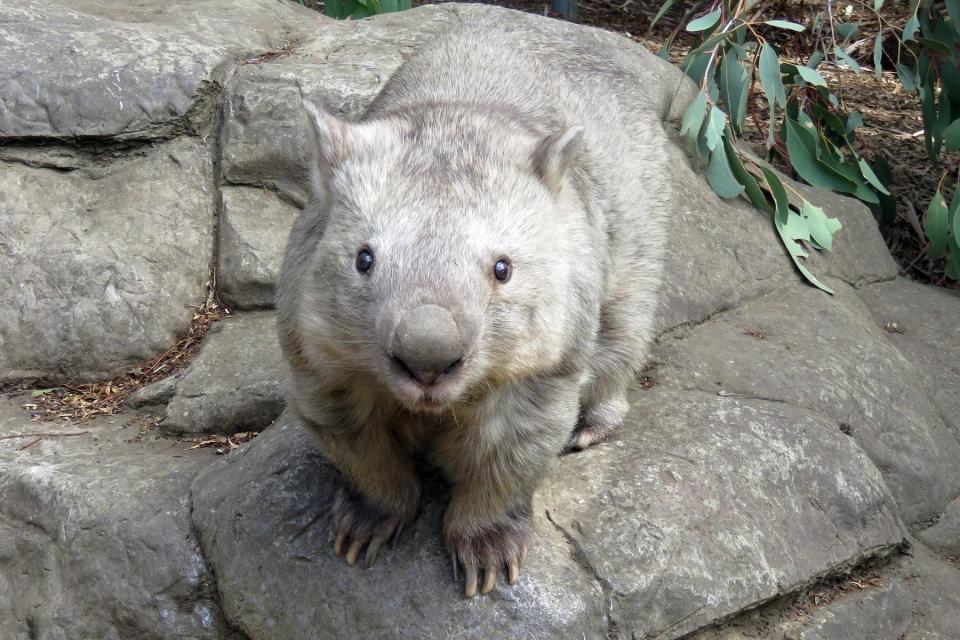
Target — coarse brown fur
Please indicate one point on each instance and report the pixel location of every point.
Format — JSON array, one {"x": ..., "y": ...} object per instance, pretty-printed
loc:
[{"x": 477, "y": 149}]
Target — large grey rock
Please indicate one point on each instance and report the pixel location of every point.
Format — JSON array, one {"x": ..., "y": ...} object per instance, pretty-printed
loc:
[
  {"x": 826, "y": 354},
  {"x": 263, "y": 517},
  {"x": 927, "y": 332},
  {"x": 883, "y": 610},
  {"x": 95, "y": 536},
  {"x": 703, "y": 507},
  {"x": 881, "y": 613},
  {"x": 706, "y": 506},
  {"x": 254, "y": 225},
  {"x": 131, "y": 70},
  {"x": 935, "y": 589},
  {"x": 235, "y": 382},
  {"x": 99, "y": 265},
  {"x": 721, "y": 253},
  {"x": 944, "y": 535}
]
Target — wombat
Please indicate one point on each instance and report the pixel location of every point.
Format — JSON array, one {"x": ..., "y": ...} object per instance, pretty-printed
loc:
[{"x": 473, "y": 283}]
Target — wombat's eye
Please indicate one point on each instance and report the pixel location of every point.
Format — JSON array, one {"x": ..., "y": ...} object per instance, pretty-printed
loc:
[
  {"x": 364, "y": 260},
  {"x": 502, "y": 270}
]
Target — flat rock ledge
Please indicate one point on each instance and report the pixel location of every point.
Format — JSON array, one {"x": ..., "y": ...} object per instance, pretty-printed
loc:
[{"x": 789, "y": 437}]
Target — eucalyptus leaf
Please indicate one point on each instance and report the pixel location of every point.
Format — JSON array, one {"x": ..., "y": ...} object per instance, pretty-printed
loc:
[
  {"x": 662, "y": 12},
  {"x": 845, "y": 57},
  {"x": 770, "y": 80},
  {"x": 779, "y": 193},
  {"x": 908, "y": 78},
  {"x": 782, "y": 220},
  {"x": 951, "y": 136},
  {"x": 720, "y": 175},
  {"x": 753, "y": 191},
  {"x": 910, "y": 28},
  {"x": 821, "y": 228},
  {"x": 693, "y": 117},
  {"x": 878, "y": 56},
  {"x": 854, "y": 121},
  {"x": 716, "y": 123},
  {"x": 734, "y": 88},
  {"x": 935, "y": 225},
  {"x": 871, "y": 177},
  {"x": 802, "y": 147},
  {"x": 812, "y": 76},
  {"x": 704, "y": 22},
  {"x": 848, "y": 30},
  {"x": 953, "y": 8},
  {"x": 785, "y": 24}
]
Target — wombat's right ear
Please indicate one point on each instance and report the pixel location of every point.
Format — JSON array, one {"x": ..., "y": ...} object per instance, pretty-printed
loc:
[
  {"x": 330, "y": 134},
  {"x": 554, "y": 155}
]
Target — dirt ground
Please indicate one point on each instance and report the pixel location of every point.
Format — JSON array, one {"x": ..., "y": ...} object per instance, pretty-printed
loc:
[{"x": 893, "y": 128}]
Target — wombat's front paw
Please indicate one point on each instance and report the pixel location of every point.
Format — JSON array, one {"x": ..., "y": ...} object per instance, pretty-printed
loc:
[
  {"x": 488, "y": 548},
  {"x": 363, "y": 524}
]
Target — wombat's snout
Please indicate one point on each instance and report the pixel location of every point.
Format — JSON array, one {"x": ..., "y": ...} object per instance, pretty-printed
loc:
[{"x": 427, "y": 343}]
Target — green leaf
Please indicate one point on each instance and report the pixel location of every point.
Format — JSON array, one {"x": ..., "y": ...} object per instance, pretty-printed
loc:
[
  {"x": 770, "y": 79},
  {"x": 935, "y": 225},
  {"x": 854, "y": 122},
  {"x": 812, "y": 76},
  {"x": 871, "y": 177},
  {"x": 848, "y": 30},
  {"x": 787, "y": 228},
  {"x": 750, "y": 185},
  {"x": 785, "y": 24},
  {"x": 37, "y": 393},
  {"x": 878, "y": 56},
  {"x": 716, "y": 123},
  {"x": 877, "y": 5},
  {"x": 955, "y": 214},
  {"x": 734, "y": 87},
  {"x": 934, "y": 45},
  {"x": 951, "y": 136},
  {"x": 721, "y": 176},
  {"x": 693, "y": 117},
  {"x": 908, "y": 78},
  {"x": 704, "y": 22},
  {"x": 910, "y": 29},
  {"x": 850, "y": 62},
  {"x": 802, "y": 147},
  {"x": 822, "y": 228},
  {"x": 662, "y": 12},
  {"x": 953, "y": 8}
]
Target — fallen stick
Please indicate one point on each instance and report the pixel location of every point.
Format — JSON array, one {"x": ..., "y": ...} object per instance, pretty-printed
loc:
[{"x": 43, "y": 435}]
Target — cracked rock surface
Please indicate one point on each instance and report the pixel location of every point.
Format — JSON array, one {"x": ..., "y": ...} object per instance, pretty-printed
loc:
[
  {"x": 788, "y": 437},
  {"x": 234, "y": 382}
]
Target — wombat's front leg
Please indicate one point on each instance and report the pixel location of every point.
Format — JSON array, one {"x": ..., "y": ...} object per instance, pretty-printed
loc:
[
  {"x": 496, "y": 456},
  {"x": 380, "y": 494}
]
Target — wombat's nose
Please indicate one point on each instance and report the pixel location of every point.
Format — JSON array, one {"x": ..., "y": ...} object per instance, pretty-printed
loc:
[{"x": 427, "y": 343}]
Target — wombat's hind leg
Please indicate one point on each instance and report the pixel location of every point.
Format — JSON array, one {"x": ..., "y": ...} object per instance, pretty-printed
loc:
[
  {"x": 598, "y": 422},
  {"x": 360, "y": 523}
]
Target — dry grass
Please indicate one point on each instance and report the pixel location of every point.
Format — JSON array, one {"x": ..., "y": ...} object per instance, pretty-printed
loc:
[
  {"x": 80, "y": 402},
  {"x": 824, "y": 594}
]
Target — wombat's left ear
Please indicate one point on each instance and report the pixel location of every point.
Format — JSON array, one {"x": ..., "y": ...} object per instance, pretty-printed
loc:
[{"x": 554, "y": 155}]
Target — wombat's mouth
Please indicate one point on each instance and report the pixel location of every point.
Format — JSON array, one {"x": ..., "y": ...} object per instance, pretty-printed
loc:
[{"x": 418, "y": 395}]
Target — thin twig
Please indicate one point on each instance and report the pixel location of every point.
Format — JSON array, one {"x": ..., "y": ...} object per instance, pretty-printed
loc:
[
  {"x": 43, "y": 435},
  {"x": 30, "y": 444}
]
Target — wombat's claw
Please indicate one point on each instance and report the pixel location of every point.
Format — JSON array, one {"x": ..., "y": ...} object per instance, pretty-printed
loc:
[
  {"x": 482, "y": 559},
  {"x": 588, "y": 435},
  {"x": 364, "y": 526}
]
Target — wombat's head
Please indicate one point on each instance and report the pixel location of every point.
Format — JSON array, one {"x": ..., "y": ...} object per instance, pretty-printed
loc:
[{"x": 448, "y": 256}]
